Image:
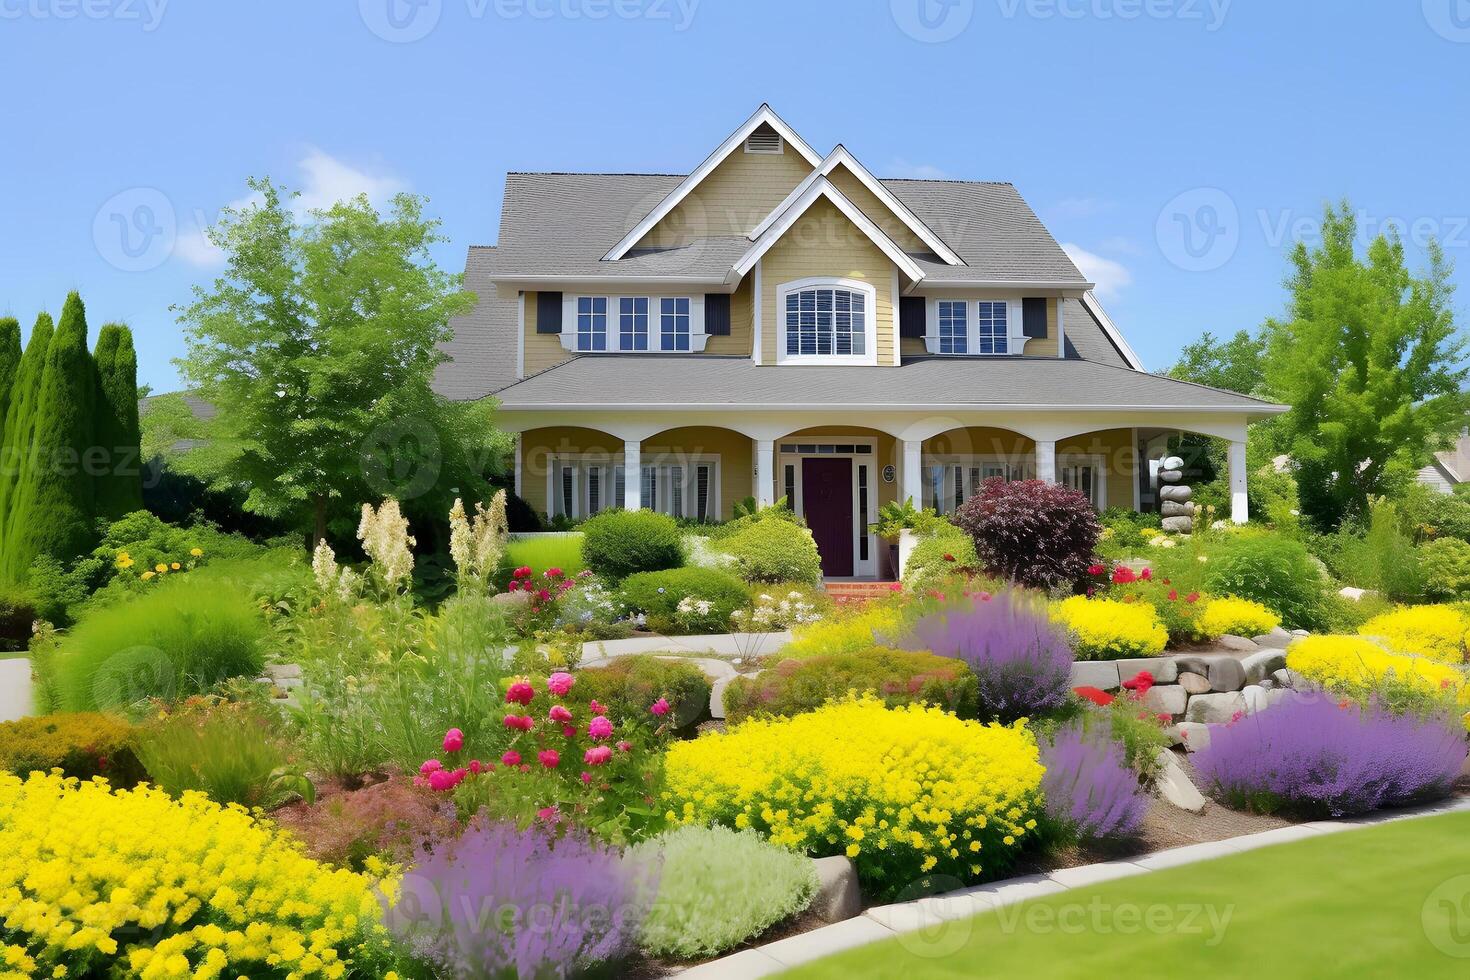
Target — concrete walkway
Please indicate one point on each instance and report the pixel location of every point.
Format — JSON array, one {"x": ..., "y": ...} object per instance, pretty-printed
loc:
[
  {"x": 15, "y": 689},
  {"x": 720, "y": 644},
  {"x": 905, "y": 919}
]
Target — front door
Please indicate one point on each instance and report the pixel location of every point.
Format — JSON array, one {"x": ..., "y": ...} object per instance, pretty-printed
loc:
[{"x": 826, "y": 493}]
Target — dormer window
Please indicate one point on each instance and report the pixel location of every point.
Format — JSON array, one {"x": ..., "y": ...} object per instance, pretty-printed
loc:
[
  {"x": 990, "y": 323},
  {"x": 591, "y": 323},
  {"x": 826, "y": 321},
  {"x": 633, "y": 324},
  {"x": 974, "y": 326}
]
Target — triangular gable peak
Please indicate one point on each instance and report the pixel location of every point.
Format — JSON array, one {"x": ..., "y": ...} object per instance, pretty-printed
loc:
[
  {"x": 818, "y": 190},
  {"x": 738, "y": 184},
  {"x": 848, "y": 175}
]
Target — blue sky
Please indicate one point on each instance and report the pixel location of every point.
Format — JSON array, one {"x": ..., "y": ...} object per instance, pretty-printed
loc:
[{"x": 1175, "y": 146}]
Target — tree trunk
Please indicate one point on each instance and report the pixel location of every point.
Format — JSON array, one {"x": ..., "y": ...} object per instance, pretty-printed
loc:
[{"x": 320, "y": 534}]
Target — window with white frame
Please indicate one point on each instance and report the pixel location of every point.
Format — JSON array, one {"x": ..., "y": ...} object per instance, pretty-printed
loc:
[
  {"x": 991, "y": 327},
  {"x": 579, "y": 486},
  {"x": 674, "y": 323},
  {"x": 633, "y": 323},
  {"x": 949, "y": 484},
  {"x": 827, "y": 320},
  {"x": 591, "y": 323},
  {"x": 1086, "y": 474},
  {"x": 954, "y": 331}
]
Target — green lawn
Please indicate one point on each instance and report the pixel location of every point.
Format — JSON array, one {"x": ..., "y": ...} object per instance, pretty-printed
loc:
[
  {"x": 543, "y": 553},
  {"x": 1359, "y": 903}
]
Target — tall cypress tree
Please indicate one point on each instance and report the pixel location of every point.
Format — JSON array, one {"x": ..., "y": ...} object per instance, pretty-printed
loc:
[
  {"x": 53, "y": 512},
  {"x": 9, "y": 364},
  {"x": 120, "y": 489},
  {"x": 19, "y": 430}
]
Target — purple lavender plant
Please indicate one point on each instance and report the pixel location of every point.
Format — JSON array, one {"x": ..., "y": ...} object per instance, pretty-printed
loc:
[
  {"x": 1020, "y": 658},
  {"x": 1089, "y": 786},
  {"x": 1315, "y": 756},
  {"x": 503, "y": 902}
]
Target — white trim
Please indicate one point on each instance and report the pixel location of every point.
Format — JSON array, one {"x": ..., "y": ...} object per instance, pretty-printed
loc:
[
  {"x": 1026, "y": 284},
  {"x": 1246, "y": 410},
  {"x": 520, "y": 464},
  {"x": 763, "y": 115},
  {"x": 897, "y": 334},
  {"x": 822, "y": 187},
  {"x": 1015, "y": 325},
  {"x": 1061, "y": 328},
  {"x": 697, "y": 336},
  {"x": 870, "y": 321},
  {"x": 609, "y": 463},
  {"x": 1137, "y": 472},
  {"x": 862, "y": 521},
  {"x": 756, "y": 304},
  {"x": 841, "y": 155},
  {"x": 560, "y": 281},
  {"x": 520, "y": 334},
  {"x": 1106, "y": 322}
]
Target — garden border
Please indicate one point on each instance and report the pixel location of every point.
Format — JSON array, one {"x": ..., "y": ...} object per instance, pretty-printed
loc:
[{"x": 886, "y": 921}]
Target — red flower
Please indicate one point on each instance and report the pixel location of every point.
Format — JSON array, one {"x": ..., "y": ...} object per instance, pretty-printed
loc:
[
  {"x": 659, "y": 707},
  {"x": 1173, "y": 595},
  {"x": 596, "y": 707},
  {"x": 948, "y": 556},
  {"x": 1122, "y": 575},
  {"x": 515, "y": 586},
  {"x": 1193, "y": 597},
  {"x": 553, "y": 573},
  {"x": 1096, "y": 695},
  {"x": 1140, "y": 682},
  {"x": 1095, "y": 569},
  {"x": 896, "y": 587},
  {"x": 523, "y": 572},
  {"x": 521, "y": 692},
  {"x": 542, "y": 595},
  {"x": 511, "y": 758},
  {"x": 1146, "y": 574}
]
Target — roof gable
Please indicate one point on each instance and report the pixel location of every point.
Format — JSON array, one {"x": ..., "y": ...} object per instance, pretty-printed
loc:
[{"x": 764, "y": 116}]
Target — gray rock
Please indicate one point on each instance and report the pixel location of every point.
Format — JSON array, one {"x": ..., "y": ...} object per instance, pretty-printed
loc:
[
  {"x": 1164, "y": 669},
  {"x": 1259, "y": 666},
  {"x": 1267, "y": 683},
  {"x": 1167, "y": 699},
  {"x": 1175, "y": 786},
  {"x": 1194, "y": 683},
  {"x": 1174, "y": 508},
  {"x": 1214, "y": 709},
  {"x": 839, "y": 897},
  {"x": 1239, "y": 643},
  {"x": 1225, "y": 672},
  {"x": 1175, "y": 492},
  {"x": 1101, "y": 674},
  {"x": 1277, "y": 639},
  {"x": 1172, "y": 463},
  {"x": 283, "y": 672},
  {"x": 1193, "y": 735},
  {"x": 1179, "y": 525},
  {"x": 1170, "y": 476},
  {"x": 1258, "y": 698},
  {"x": 1300, "y": 632},
  {"x": 1286, "y": 678},
  {"x": 1353, "y": 593}
]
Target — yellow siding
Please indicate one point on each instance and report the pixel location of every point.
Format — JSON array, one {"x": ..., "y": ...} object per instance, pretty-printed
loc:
[
  {"x": 735, "y": 197},
  {"x": 741, "y": 333},
  {"x": 868, "y": 203},
  {"x": 981, "y": 441},
  {"x": 886, "y": 452},
  {"x": 1116, "y": 446},
  {"x": 538, "y": 444},
  {"x": 543, "y": 350},
  {"x": 823, "y": 242},
  {"x": 1045, "y": 346}
]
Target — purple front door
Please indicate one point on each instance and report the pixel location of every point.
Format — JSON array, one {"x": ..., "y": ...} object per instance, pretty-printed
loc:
[{"x": 826, "y": 493}]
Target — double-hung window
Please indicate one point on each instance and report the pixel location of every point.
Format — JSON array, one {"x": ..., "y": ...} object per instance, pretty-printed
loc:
[
  {"x": 991, "y": 327},
  {"x": 633, "y": 323},
  {"x": 591, "y": 323},
  {"x": 674, "y": 323},
  {"x": 954, "y": 330}
]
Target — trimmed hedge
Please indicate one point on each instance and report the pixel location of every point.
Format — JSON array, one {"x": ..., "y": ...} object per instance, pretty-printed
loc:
[
  {"x": 619, "y": 543},
  {"x": 657, "y": 596},
  {"x": 775, "y": 550},
  {"x": 83, "y": 744},
  {"x": 896, "y": 676}
]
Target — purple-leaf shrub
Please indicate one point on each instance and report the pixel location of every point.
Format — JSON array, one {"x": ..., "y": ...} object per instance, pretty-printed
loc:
[
  {"x": 1089, "y": 786},
  {"x": 1020, "y": 658},
  {"x": 1031, "y": 531},
  {"x": 504, "y": 902},
  {"x": 1317, "y": 756}
]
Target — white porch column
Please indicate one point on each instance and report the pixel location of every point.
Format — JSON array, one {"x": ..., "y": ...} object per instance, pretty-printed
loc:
[
  {"x": 632, "y": 474},
  {"x": 1239, "y": 512},
  {"x": 913, "y": 471},
  {"x": 765, "y": 473},
  {"x": 1046, "y": 460}
]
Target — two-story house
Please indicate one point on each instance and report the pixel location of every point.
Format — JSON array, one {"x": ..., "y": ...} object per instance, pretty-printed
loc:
[{"x": 780, "y": 323}]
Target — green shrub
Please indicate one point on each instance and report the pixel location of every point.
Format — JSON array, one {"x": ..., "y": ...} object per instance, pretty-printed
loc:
[
  {"x": 1446, "y": 564},
  {"x": 619, "y": 543},
  {"x": 226, "y": 751},
  {"x": 1384, "y": 558},
  {"x": 771, "y": 549},
  {"x": 658, "y": 594},
  {"x": 628, "y": 686},
  {"x": 1274, "y": 571},
  {"x": 181, "y": 638},
  {"x": 936, "y": 558},
  {"x": 1436, "y": 515},
  {"x": 720, "y": 887},
  {"x": 84, "y": 744},
  {"x": 1123, "y": 528},
  {"x": 896, "y": 676},
  {"x": 539, "y": 554},
  {"x": 17, "y": 616}
]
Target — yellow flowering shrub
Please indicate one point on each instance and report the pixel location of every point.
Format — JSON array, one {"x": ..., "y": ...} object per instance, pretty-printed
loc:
[
  {"x": 1437, "y": 632},
  {"x": 1106, "y": 629},
  {"x": 97, "y": 882},
  {"x": 850, "y": 631},
  {"x": 904, "y": 792},
  {"x": 1241, "y": 617},
  {"x": 1362, "y": 669}
]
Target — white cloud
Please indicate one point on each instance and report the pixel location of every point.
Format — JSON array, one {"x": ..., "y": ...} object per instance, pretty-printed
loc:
[
  {"x": 917, "y": 171},
  {"x": 324, "y": 180},
  {"x": 1109, "y": 276}
]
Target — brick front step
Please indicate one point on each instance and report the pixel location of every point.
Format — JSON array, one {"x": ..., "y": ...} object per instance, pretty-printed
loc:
[{"x": 857, "y": 593}]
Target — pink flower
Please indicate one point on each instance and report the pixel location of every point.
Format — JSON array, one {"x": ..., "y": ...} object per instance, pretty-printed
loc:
[
  {"x": 430, "y": 765},
  {"x": 1146, "y": 574},
  {"x": 453, "y": 740},
  {"x": 586, "y": 777},
  {"x": 570, "y": 731},
  {"x": 597, "y": 755},
  {"x": 1192, "y": 598},
  {"x": 553, "y": 573},
  {"x": 1122, "y": 575},
  {"x": 549, "y": 814},
  {"x": 521, "y": 692},
  {"x": 625, "y": 746},
  {"x": 515, "y": 586},
  {"x": 1095, "y": 569},
  {"x": 442, "y": 780},
  {"x": 542, "y": 595},
  {"x": 511, "y": 758},
  {"x": 523, "y": 572},
  {"x": 477, "y": 767},
  {"x": 596, "y": 707},
  {"x": 659, "y": 707},
  {"x": 896, "y": 587},
  {"x": 599, "y": 728},
  {"x": 558, "y": 713},
  {"x": 550, "y": 758},
  {"x": 560, "y": 683},
  {"x": 521, "y": 722}
]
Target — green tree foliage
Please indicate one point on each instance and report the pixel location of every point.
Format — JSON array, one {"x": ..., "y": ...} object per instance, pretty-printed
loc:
[
  {"x": 9, "y": 364},
  {"x": 1368, "y": 357},
  {"x": 317, "y": 348},
  {"x": 19, "y": 447},
  {"x": 119, "y": 487},
  {"x": 52, "y": 510},
  {"x": 1235, "y": 364}
]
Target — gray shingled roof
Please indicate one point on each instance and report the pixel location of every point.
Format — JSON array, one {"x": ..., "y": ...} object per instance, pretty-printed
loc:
[
  {"x": 635, "y": 381},
  {"x": 563, "y": 224}
]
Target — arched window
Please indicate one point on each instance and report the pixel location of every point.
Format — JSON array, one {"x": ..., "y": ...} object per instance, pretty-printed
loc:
[{"x": 827, "y": 321}]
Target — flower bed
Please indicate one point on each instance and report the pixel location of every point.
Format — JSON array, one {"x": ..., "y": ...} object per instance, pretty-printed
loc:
[
  {"x": 1436, "y": 632},
  {"x": 1106, "y": 629}
]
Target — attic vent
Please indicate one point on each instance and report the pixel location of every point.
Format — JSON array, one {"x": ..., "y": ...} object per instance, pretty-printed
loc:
[{"x": 763, "y": 140}]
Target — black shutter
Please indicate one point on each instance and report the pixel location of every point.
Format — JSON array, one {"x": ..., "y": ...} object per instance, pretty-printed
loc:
[
  {"x": 548, "y": 312},
  {"x": 911, "y": 316},
  {"x": 717, "y": 314},
  {"x": 1033, "y": 316}
]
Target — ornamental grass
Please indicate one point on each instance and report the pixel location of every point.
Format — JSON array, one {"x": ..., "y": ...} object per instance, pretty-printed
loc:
[
  {"x": 907, "y": 793},
  {"x": 103, "y": 882}
]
